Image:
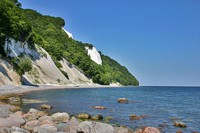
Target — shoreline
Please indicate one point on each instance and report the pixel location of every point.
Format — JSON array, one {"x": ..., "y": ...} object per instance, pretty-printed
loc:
[{"x": 22, "y": 89}]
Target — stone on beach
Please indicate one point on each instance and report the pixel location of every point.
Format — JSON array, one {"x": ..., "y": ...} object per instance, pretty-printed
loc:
[
  {"x": 30, "y": 125},
  {"x": 122, "y": 100},
  {"x": 84, "y": 116},
  {"x": 122, "y": 130},
  {"x": 148, "y": 130},
  {"x": 94, "y": 127},
  {"x": 60, "y": 117},
  {"x": 45, "y": 129},
  {"x": 19, "y": 130},
  {"x": 44, "y": 118}
]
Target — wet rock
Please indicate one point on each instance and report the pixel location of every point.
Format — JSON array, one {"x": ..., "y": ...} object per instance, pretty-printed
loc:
[
  {"x": 108, "y": 118},
  {"x": 122, "y": 130},
  {"x": 122, "y": 100},
  {"x": 179, "y": 132},
  {"x": 162, "y": 125},
  {"x": 94, "y": 127},
  {"x": 99, "y": 107},
  {"x": 15, "y": 108},
  {"x": 97, "y": 117},
  {"x": 6, "y": 130},
  {"x": 20, "y": 130},
  {"x": 30, "y": 125},
  {"x": 84, "y": 116},
  {"x": 180, "y": 124},
  {"x": 69, "y": 127},
  {"x": 135, "y": 117},
  {"x": 45, "y": 129},
  {"x": 15, "y": 100},
  {"x": 46, "y": 106},
  {"x": 60, "y": 117}
]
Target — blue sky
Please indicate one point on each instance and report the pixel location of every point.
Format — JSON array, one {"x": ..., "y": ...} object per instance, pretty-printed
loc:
[{"x": 158, "y": 41}]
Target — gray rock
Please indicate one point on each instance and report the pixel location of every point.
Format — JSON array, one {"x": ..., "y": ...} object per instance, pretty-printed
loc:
[
  {"x": 15, "y": 100},
  {"x": 17, "y": 129},
  {"x": 43, "y": 118},
  {"x": 60, "y": 117},
  {"x": 9, "y": 122},
  {"x": 6, "y": 130},
  {"x": 94, "y": 127},
  {"x": 45, "y": 129},
  {"x": 122, "y": 130},
  {"x": 151, "y": 130},
  {"x": 30, "y": 125}
]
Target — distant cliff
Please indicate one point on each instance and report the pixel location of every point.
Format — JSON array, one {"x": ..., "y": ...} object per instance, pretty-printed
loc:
[{"x": 39, "y": 50}]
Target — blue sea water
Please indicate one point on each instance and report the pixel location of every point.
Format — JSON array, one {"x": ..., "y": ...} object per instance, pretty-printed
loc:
[{"x": 165, "y": 105}]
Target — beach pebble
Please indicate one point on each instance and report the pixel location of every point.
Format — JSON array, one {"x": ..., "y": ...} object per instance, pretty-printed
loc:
[
  {"x": 6, "y": 130},
  {"x": 84, "y": 116},
  {"x": 122, "y": 130},
  {"x": 94, "y": 127},
  {"x": 17, "y": 129},
  {"x": 9, "y": 122},
  {"x": 30, "y": 125},
  {"x": 46, "y": 106},
  {"x": 122, "y": 100},
  {"x": 44, "y": 118},
  {"x": 45, "y": 129},
  {"x": 60, "y": 117},
  {"x": 180, "y": 124},
  {"x": 151, "y": 130}
]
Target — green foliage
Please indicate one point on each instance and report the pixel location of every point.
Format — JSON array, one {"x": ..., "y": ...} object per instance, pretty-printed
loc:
[
  {"x": 22, "y": 65},
  {"x": 46, "y": 31}
]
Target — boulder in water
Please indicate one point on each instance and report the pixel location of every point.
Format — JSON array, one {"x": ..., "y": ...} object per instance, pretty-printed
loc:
[
  {"x": 180, "y": 124},
  {"x": 60, "y": 117},
  {"x": 135, "y": 117},
  {"x": 46, "y": 106},
  {"x": 122, "y": 100},
  {"x": 84, "y": 116}
]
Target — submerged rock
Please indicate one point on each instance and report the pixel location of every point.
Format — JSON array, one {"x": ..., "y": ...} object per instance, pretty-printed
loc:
[
  {"x": 180, "y": 124},
  {"x": 84, "y": 116},
  {"x": 122, "y": 100},
  {"x": 60, "y": 117},
  {"x": 97, "y": 117},
  {"x": 94, "y": 127},
  {"x": 135, "y": 117},
  {"x": 99, "y": 107},
  {"x": 15, "y": 100}
]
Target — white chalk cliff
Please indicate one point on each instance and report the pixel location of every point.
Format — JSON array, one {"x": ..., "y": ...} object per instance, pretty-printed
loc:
[
  {"x": 44, "y": 70},
  {"x": 68, "y": 33},
  {"x": 94, "y": 55}
]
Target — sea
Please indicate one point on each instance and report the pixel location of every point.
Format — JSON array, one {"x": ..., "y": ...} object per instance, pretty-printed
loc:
[{"x": 162, "y": 105}]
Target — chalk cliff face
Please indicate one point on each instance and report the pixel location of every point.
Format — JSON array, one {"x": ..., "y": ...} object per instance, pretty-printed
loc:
[
  {"x": 44, "y": 70},
  {"x": 7, "y": 74},
  {"x": 68, "y": 33},
  {"x": 94, "y": 55},
  {"x": 75, "y": 75}
]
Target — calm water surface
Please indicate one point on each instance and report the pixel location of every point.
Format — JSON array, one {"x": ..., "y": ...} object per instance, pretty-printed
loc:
[{"x": 164, "y": 104}]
